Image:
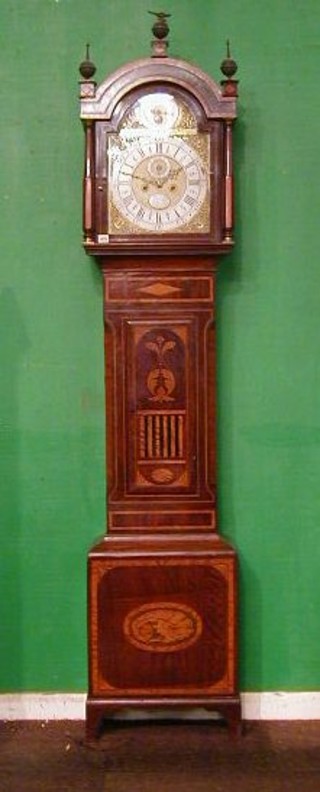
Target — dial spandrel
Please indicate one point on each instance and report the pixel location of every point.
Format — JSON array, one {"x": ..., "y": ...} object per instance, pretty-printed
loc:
[{"x": 158, "y": 165}]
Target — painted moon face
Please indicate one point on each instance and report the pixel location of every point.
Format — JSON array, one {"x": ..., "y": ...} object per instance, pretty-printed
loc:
[{"x": 158, "y": 112}]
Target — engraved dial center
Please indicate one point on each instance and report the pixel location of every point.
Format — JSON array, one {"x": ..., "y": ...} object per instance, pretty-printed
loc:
[{"x": 158, "y": 182}]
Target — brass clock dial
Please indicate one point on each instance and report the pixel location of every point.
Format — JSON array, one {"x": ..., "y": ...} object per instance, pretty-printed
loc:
[{"x": 158, "y": 170}]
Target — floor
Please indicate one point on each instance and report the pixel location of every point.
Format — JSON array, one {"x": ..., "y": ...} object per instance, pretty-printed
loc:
[{"x": 160, "y": 757}]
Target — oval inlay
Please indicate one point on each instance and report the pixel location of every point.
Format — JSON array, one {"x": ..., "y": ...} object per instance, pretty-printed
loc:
[
  {"x": 162, "y": 627},
  {"x": 162, "y": 476}
]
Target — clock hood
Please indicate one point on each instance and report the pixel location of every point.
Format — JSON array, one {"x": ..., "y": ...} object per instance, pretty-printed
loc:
[{"x": 98, "y": 102}]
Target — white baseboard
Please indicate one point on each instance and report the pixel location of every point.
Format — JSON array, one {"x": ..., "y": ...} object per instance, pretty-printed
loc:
[
  {"x": 281, "y": 705},
  {"x": 71, "y": 706}
]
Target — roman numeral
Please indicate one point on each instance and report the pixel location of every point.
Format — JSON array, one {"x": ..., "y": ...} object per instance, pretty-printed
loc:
[{"x": 189, "y": 200}]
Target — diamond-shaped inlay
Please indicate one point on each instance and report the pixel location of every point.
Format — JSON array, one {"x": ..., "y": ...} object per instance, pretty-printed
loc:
[{"x": 159, "y": 289}]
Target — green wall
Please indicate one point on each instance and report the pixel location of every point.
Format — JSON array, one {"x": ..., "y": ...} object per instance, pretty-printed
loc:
[{"x": 52, "y": 422}]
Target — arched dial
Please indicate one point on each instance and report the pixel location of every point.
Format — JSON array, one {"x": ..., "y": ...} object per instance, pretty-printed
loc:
[
  {"x": 158, "y": 169},
  {"x": 160, "y": 185}
]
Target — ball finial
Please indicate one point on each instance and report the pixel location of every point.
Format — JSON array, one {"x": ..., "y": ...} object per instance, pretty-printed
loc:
[
  {"x": 228, "y": 65},
  {"x": 160, "y": 30},
  {"x": 87, "y": 68}
]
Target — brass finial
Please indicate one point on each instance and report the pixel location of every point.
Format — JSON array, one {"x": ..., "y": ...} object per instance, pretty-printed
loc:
[
  {"x": 87, "y": 68},
  {"x": 160, "y": 30},
  {"x": 229, "y": 68},
  {"x": 228, "y": 65}
]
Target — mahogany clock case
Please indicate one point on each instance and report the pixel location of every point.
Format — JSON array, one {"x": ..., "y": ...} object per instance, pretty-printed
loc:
[{"x": 162, "y": 584}]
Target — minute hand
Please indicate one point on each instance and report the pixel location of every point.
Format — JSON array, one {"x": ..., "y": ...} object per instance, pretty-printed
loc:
[
  {"x": 162, "y": 180},
  {"x": 145, "y": 180},
  {"x": 172, "y": 173},
  {"x": 140, "y": 178}
]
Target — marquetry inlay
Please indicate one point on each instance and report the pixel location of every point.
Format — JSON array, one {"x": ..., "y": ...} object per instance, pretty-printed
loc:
[
  {"x": 160, "y": 289},
  {"x": 162, "y": 627}
]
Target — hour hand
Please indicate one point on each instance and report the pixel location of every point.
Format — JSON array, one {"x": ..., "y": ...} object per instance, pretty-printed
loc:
[
  {"x": 155, "y": 182},
  {"x": 147, "y": 181},
  {"x": 172, "y": 173},
  {"x": 140, "y": 178},
  {"x": 175, "y": 171}
]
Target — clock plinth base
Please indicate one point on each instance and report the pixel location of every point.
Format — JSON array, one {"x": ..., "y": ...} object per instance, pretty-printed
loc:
[
  {"x": 162, "y": 627},
  {"x": 98, "y": 711}
]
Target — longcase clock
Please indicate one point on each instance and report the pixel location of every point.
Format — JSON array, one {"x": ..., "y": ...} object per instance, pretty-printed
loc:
[{"x": 158, "y": 214}]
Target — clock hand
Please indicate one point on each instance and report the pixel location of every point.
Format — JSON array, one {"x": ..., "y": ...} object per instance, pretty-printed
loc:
[
  {"x": 142, "y": 178},
  {"x": 172, "y": 173},
  {"x": 156, "y": 182},
  {"x": 134, "y": 176},
  {"x": 175, "y": 171},
  {"x": 160, "y": 182}
]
